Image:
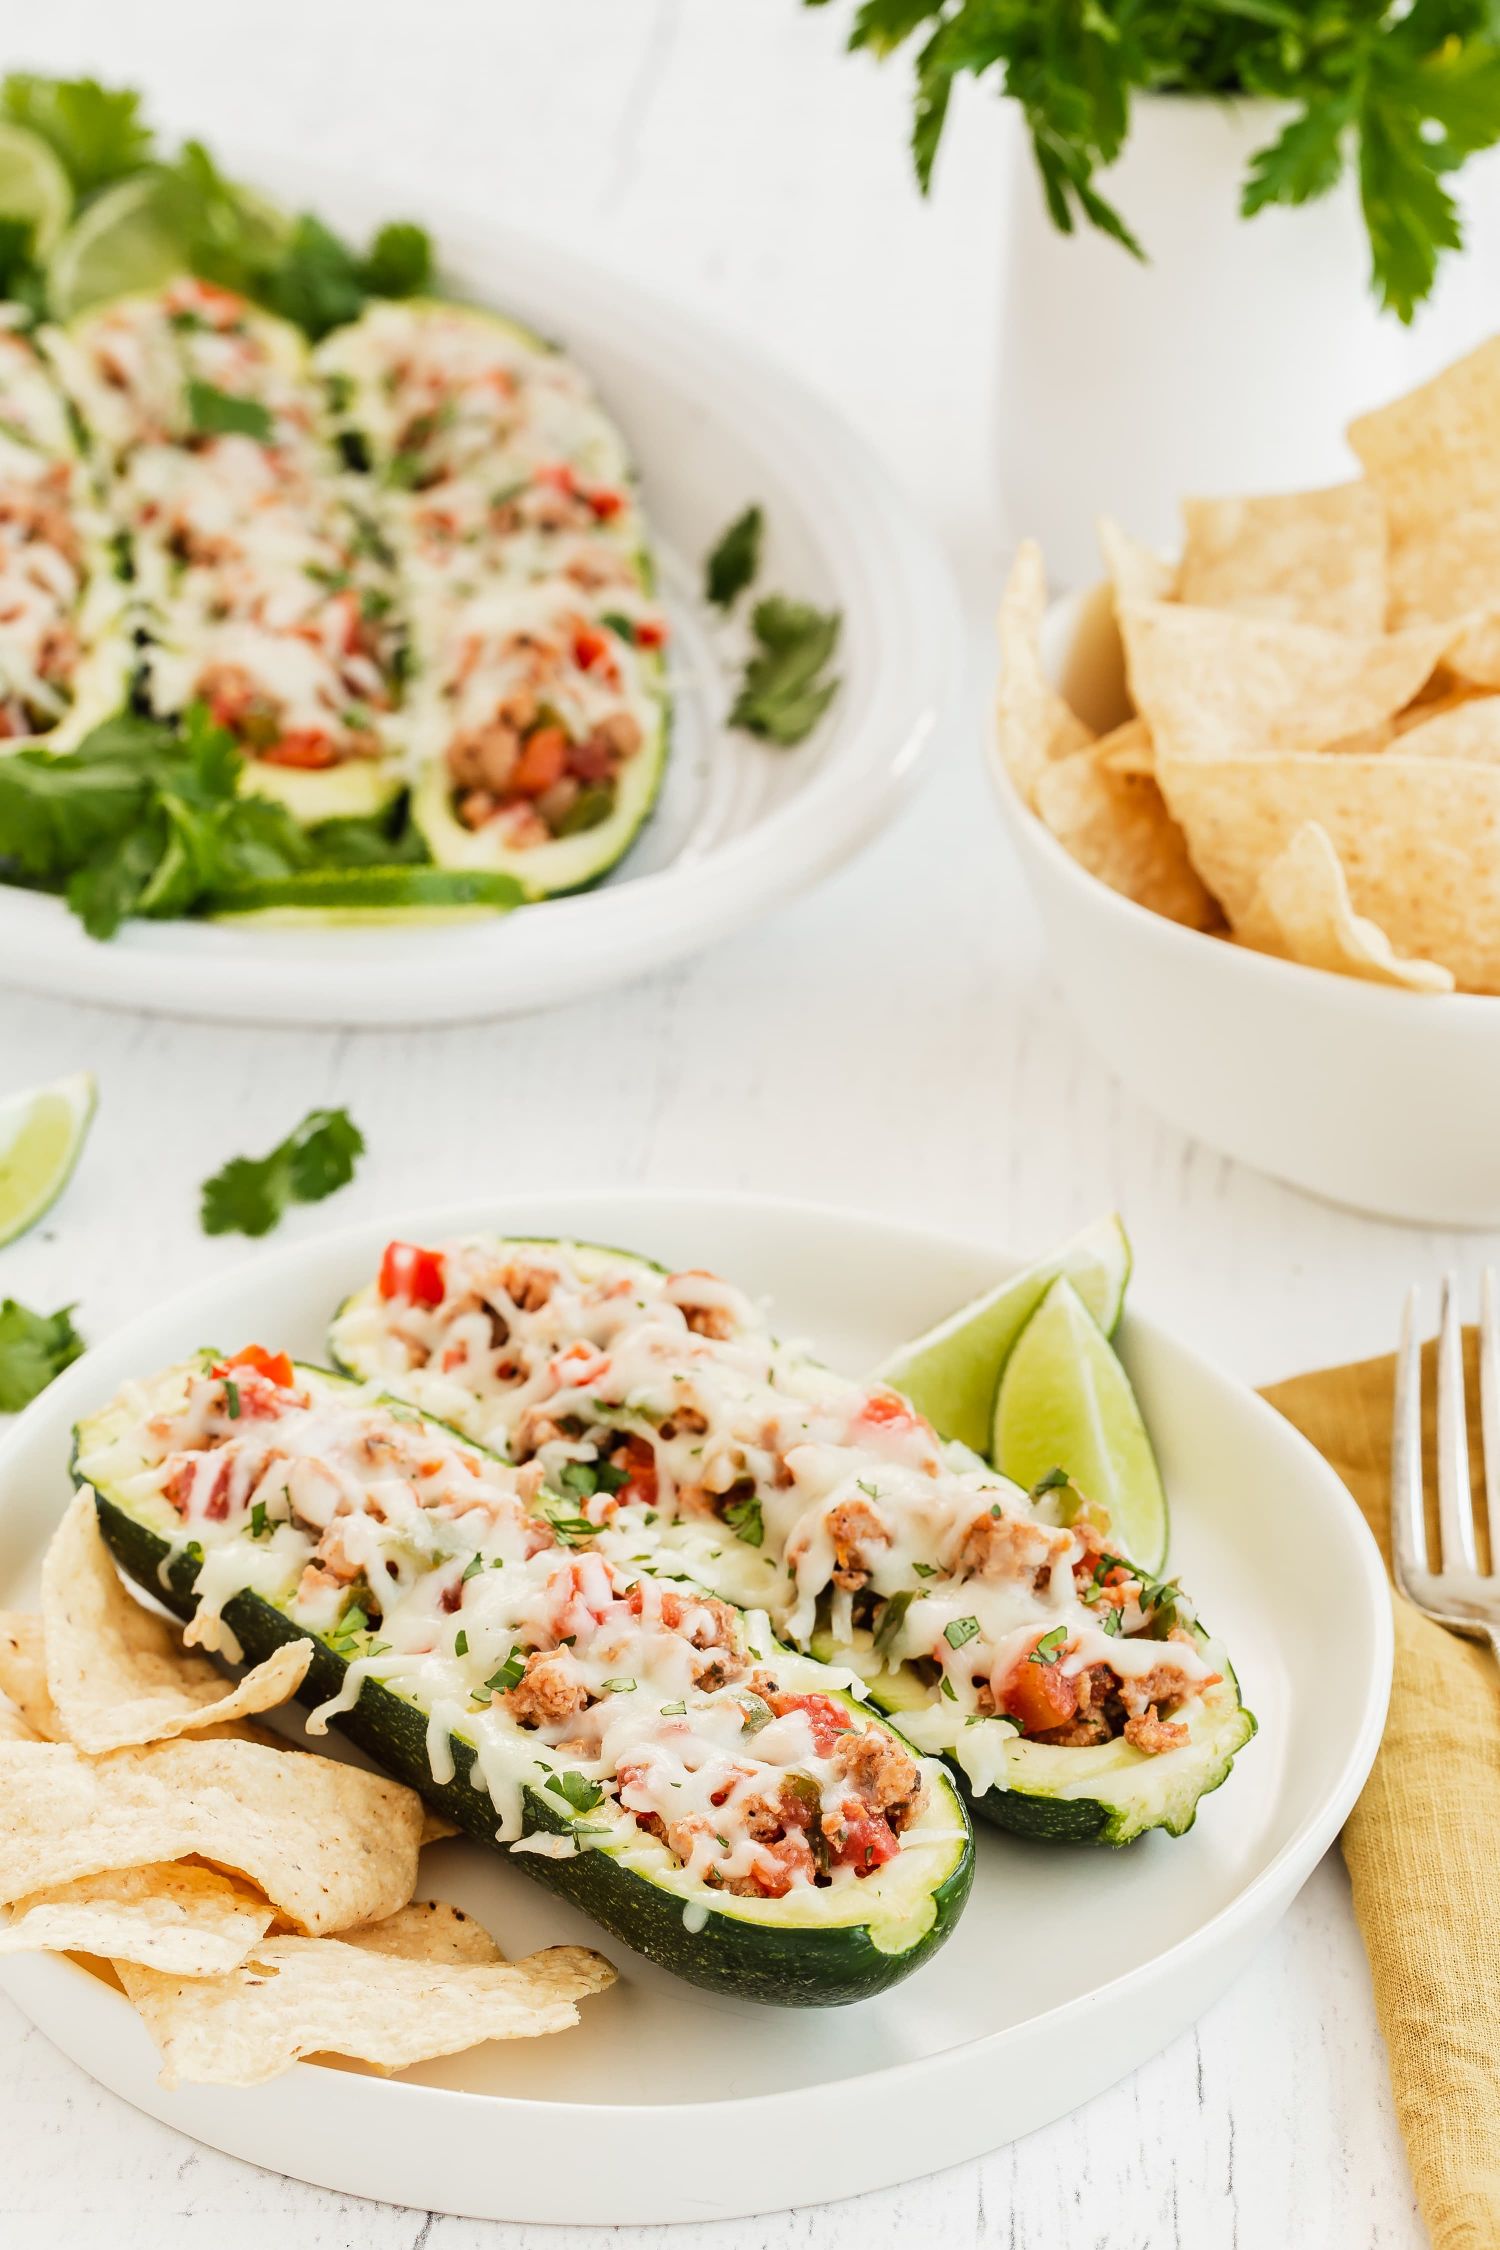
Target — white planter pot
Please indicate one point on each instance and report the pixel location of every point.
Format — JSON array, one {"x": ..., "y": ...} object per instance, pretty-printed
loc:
[{"x": 1230, "y": 362}]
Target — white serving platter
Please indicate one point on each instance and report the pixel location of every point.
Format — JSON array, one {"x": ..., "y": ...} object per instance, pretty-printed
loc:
[
  {"x": 1069, "y": 1967},
  {"x": 713, "y": 424}
]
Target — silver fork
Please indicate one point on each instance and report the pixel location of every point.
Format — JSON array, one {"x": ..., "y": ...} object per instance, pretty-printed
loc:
[{"x": 1450, "y": 1588}]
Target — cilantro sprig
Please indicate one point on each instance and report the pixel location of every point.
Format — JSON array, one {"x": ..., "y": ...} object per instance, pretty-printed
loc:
[
  {"x": 249, "y": 1194},
  {"x": 735, "y": 561},
  {"x": 34, "y": 1348},
  {"x": 1397, "y": 95},
  {"x": 785, "y": 691}
]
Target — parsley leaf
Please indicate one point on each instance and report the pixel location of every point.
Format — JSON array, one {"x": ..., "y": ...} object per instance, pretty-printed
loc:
[
  {"x": 97, "y": 131},
  {"x": 1398, "y": 94},
  {"x": 34, "y": 1347},
  {"x": 735, "y": 560},
  {"x": 782, "y": 697},
  {"x": 250, "y": 1193},
  {"x": 216, "y": 413}
]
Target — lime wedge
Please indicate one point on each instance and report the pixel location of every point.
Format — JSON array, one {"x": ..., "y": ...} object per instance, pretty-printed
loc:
[
  {"x": 953, "y": 1372},
  {"x": 128, "y": 240},
  {"x": 33, "y": 186},
  {"x": 1066, "y": 1403},
  {"x": 41, "y": 1135}
]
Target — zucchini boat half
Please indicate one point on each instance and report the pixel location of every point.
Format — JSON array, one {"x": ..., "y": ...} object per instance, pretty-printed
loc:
[
  {"x": 66, "y": 653},
  {"x": 1075, "y": 1696},
  {"x": 539, "y": 712},
  {"x": 729, "y": 1809},
  {"x": 260, "y": 585}
]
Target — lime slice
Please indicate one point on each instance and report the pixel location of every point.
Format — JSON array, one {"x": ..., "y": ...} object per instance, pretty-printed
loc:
[
  {"x": 41, "y": 1135},
  {"x": 952, "y": 1373},
  {"x": 33, "y": 186},
  {"x": 372, "y": 894},
  {"x": 128, "y": 240},
  {"x": 1066, "y": 1403}
]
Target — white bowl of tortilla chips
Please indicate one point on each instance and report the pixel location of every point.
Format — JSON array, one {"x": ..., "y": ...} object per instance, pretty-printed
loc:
[{"x": 1257, "y": 794}]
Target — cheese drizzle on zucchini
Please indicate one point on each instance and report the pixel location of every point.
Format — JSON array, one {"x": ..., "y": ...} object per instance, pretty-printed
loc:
[
  {"x": 599, "y": 1710},
  {"x": 978, "y": 1613}
]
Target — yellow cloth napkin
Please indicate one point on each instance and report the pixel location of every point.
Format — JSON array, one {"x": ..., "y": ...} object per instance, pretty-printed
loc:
[{"x": 1423, "y": 1844}]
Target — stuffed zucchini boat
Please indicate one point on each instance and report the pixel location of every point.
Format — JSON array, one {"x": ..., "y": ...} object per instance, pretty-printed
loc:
[
  {"x": 261, "y": 586},
  {"x": 539, "y": 707},
  {"x": 1074, "y": 1696},
  {"x": 66, "y": 654},
  {"x": 728, "y": 1808}
]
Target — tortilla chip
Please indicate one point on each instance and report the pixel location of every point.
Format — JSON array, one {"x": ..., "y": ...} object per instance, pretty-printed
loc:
[
  {"x": 1418, "y": 839},
  {"x": 316, "y": 1996},
  {"x": 1033, "y": 724},
  {"x": 13, "y": 1727},
  {"x": 183, "y": 1921},
  {"x": 23, "y": 1672},
  {"x": 1434, "y": 457},
  {"x": 436, "y": 1830},
  {"x": 1128, "y": 749},
  {"x": 117, "y": 1672},
  {"x": 1300, "y": 909},
  {"x": 1137, "y": 573},
  {"x": 1312, "y": 558},
  {"x": 1469, "y": 729},
  {"x": 1209, "y": 683},
  {"x": 1119, "y": 829},
  {"x": 330, "y": 1845},
  {"x": 428, "y": 1930}
]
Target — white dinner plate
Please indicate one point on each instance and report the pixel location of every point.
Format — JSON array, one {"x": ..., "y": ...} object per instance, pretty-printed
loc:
[
  {"x": 713, "y": 424},
  {"x": 1069, "y": 1966}
]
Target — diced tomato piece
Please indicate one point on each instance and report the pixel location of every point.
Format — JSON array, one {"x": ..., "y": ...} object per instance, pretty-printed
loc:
[
  {"x": 827, "y": 1719},
  {"x": 542, "y": 762},
  {"x": 413, "y": 1273},
  {"x": 868, "y": 1842},
  {"x": 638, "y": 1461},
  {"x": 306, "y": 749},
  {"x": 606, "y": 502},
  {"x": 884, "y": 1408},
  {"x": 275, "y": 1366},
  {"x": 792, "y": 1855},
  {"x": 558, "y": 474},
  {"x": 589, "y": 648},
  {"x": 1041, "y": 1696},
  {"x": 650, "y": 632}
]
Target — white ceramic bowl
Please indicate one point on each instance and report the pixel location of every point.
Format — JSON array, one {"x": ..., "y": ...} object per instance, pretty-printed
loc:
[
  {"x": 1385, "y": 1100},
  {"x": 741, "y": 827},
  {"x": 669, "y": 2103}
]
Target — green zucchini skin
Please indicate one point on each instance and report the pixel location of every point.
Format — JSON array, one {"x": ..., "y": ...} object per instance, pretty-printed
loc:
[
  {"x": 781, "y": 1964},
  {"x": 1151, "y": 1793}
]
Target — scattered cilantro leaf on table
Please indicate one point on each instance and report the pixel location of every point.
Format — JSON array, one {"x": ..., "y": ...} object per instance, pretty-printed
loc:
[
  {"x": 784, "y": 694},
  {"x": 735, "y": 560},
  {"x": 34, "y": 1347},
  {"x": 250, "y": 1194}
]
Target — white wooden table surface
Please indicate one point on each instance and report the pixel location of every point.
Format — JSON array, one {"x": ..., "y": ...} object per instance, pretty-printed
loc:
[{"x": 892, "y": 1042}]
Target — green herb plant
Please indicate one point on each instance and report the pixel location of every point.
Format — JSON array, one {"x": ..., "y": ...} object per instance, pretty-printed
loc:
[{"x": 1398, "y": 93}]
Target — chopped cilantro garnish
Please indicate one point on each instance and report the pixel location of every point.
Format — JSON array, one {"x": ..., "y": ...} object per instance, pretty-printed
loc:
[
  {"x": 1110, "y": 1621},
  {"x": 348, "y": 1629},
  {"x": 460, "y": 1642},
  {"x": 744, "y": 1518},
  {"x": 925, "y": 1569},
  {"x": 619, "y": 1687},
  {"x": 260, "y": 1522},
  {"x": 216, "y": 413},
  {"x": 232, "y": 1398},
  {"x": 510, "y": 1672},
  {"x": 1050, "y": 1647},
  {"x": 892, "y": 1618},
  {"x": 673, "y": 1710},
  {"x": 472, "y": 1568},
  {"x": 577, "y": 1790},
  {"x": 758, "y": 1712},
  {"x": 961, "y": 1629},
  {"x": 949, "y": 1689},
  {"x": 1053, "y": 1481}
]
